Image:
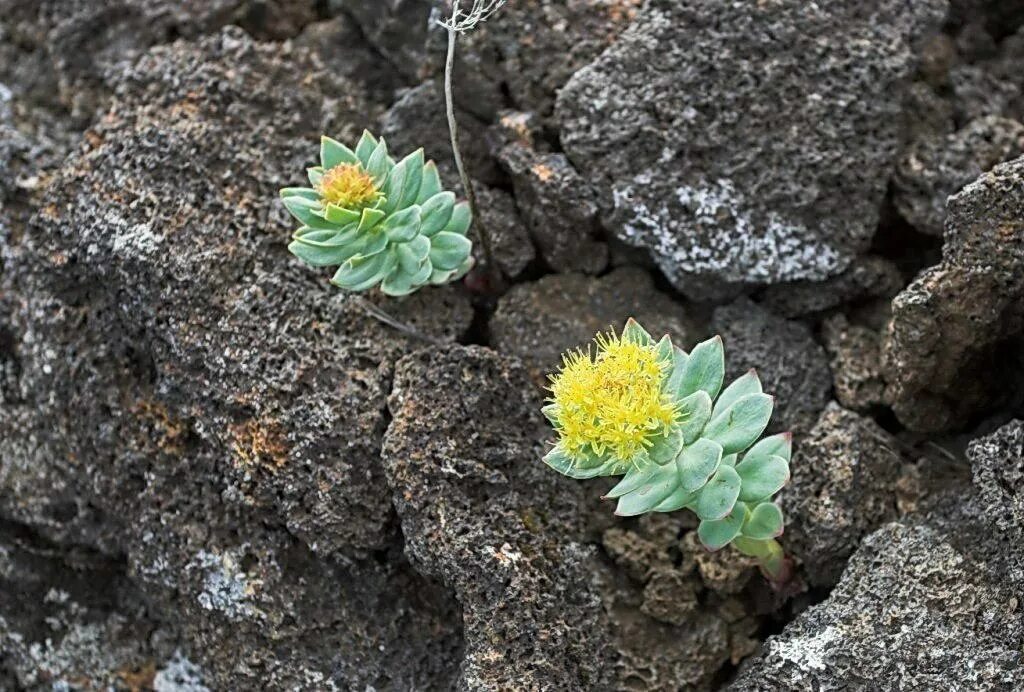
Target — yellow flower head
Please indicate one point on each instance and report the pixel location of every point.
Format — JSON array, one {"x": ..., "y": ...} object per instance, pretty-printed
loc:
[
  {"x": 611, "y": 402},
  {"x": 348, "y": 186}
]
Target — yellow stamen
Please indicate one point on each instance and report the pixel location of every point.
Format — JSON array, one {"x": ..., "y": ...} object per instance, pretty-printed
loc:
[
  {"x": 611, "y": 402},
  {"x": 348, "y": 186}
]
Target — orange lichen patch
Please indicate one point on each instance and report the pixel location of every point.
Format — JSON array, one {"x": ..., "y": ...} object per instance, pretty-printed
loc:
[
  {"x": 348, "y": 186},
  {"x": 622, "y": 12},
  {"x": 50, "y": 212},
  {"x": 543, "y": 172},
  {"x": 138, "y": 678},
  {"x": 259, "y": 444},
  {"x": 171, "y": 430}
]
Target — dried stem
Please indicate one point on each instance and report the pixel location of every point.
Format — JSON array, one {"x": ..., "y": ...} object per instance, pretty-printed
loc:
[
  {"x": 380, "y": 315},
  {"x": 460, "y": 22}
]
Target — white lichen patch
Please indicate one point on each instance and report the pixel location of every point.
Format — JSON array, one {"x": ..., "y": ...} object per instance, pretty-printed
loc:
[
  {"x": 710, "y": 228},
  {"x": 226, "y": 588},
  {"x": 808, "y": 653},
  {"x": 179, "y": 675}
]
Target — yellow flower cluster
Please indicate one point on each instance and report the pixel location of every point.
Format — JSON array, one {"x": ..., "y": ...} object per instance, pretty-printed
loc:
[
  {"x": 612, "y": 402},
  {"x": 348, "y": 186}
]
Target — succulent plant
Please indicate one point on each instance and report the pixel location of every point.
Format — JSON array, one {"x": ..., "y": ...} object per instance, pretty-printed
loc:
[
  {"x": 658, "y": 416},
  {"x": 380, "y": 222}
]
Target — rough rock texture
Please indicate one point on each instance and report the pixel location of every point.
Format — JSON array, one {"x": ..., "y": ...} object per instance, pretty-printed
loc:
[
  {"x": 935, "y": 168},
  {"x": 790, "y": 363},
  {"x": 559, "y": 206},
  {"x": 989, "y": 82},
  {"x": 868, "y": 277},
  {"x": 959, "y": 317},
  {"x": 728, "y": 178},
  {"x": 855, "y": 361},
  {"x": 529, "y": 50},
  {"x": 230, "y": 460},
  {"x": 928, "y": 606},
  {"x": 485, "y": 517},
  {"x": 540, "y": 320},
  {"x": 844, "y": 475},
  {"x": 998, "y": 466}
]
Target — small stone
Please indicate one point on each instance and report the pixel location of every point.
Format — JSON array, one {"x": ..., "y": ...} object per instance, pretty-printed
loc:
[
  {"x": 670, "y": 596},
  {"x": 538, "y": 321},
  {"x": 636, "y": 555},
  {"x": 844, "y": 475},
  {"x": 790, "y": 363},
  {"x": 868, "y": 277},
  {"x": 724, "y": 571},
  {"x": 854, "y": 351}
]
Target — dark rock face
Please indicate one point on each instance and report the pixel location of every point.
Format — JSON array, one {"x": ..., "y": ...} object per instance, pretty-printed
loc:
[
  {"x": 855, "y": 361},
  {"x": 483, "y": 515},
  {"x": 955, "y": 319},
  {"x": 541, "y": 320},
  {"x": 927, "y": 605},
  {"x": 232, "y": 462},
  {"x": 843, "y": 487},
  {"x": 559, "y": 206},
  {"x": 868, "y": 277},
  {"x": 720, "y": 174},
  {"x": 937, "y": 167},
  {"x": 790, "y": 363}
]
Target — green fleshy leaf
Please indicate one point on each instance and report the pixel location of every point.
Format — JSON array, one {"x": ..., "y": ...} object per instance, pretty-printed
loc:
[
  {"x": 550, "y": 412},
  {"x": 780, "y": 445},
  {"x": 704, "y": 370},
  {"x": 581, "y": 467},
  {"x": 730, "y": 459},
  {"x": 718, "y": 533},
  {"x": 408, "y": 262},
  {"x": 327, "y": 237},
  {"x": 304, "y": 192},
  {"x": 698, "y": 463},
  {"x": 448, "y": 250},
  {"x": 411, "y": 182},
  {"x": 333, "y": 153},
  {"x": 319, "y": 256},
  {"x": 696, "y": 412},
  {"x": 309, "y": 213},
  {"x": 365, "y": 148},
  {"x": 651, "y": 492},
  {"x": 676, "y": 500},
  {"x": 370, "y": 219},
  {"x": 341, "y": 215},
  {"x": 635, "y": 477},
  {"x": 402, "y": 226},
  {"x": 663, "y": 349},
  {"x": 675, "y": 378},
  {"x": 393, "y": 188},
  {"x": 431, "y": 184},
  {"x": 666, "y": 447},
  {"x": 460, "y": 220},
  {"x": 739, "y": 426},
  {"x": 398, "y": 283},
  {"x": 380, "y": 163},
  {"x": 764, "y": 522},
  {"x": 634, "y": 333},
  {"x": 718, "y": 497},
  {"x": 315, "y": 175},
  {"x": 748, "y": 383},
  {"x": 361, "y": 273},
  {"x": 437, "y": 212},
  {"x": 762, "y": 476}
]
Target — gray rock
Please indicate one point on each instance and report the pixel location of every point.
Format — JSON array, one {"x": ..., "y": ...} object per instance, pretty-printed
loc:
[
  {"x": 539, "y": 321},
  {"x": 867, "y": 277},
  {"x": 929, "y": 605},
  {"x": 790, "y": 363},
  {"x": 991, "y": 84},
  {"x": 998, "y": 465},
  {"x": 189, "y": 396},
  {"x": 957, "y": 316},
  {"x": 719, "y": 173},
  {"x": 843, "y": 486},
  {"x": 914, "y": 611},
  {"x": 559, "y": 206},
  {"x": 936, "y": 167},
  {"x": 855, "y": 361}
]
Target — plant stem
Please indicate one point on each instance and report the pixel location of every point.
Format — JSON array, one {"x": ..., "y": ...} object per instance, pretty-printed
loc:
[
  {"x": 453, "y": 129},
  {"x": 380, "y": 315}
]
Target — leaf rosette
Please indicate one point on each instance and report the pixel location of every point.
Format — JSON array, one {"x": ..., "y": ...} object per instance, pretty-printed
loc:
[
  {"x": 659, "y": 417},
  {"x": 381, "y": 223}
]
